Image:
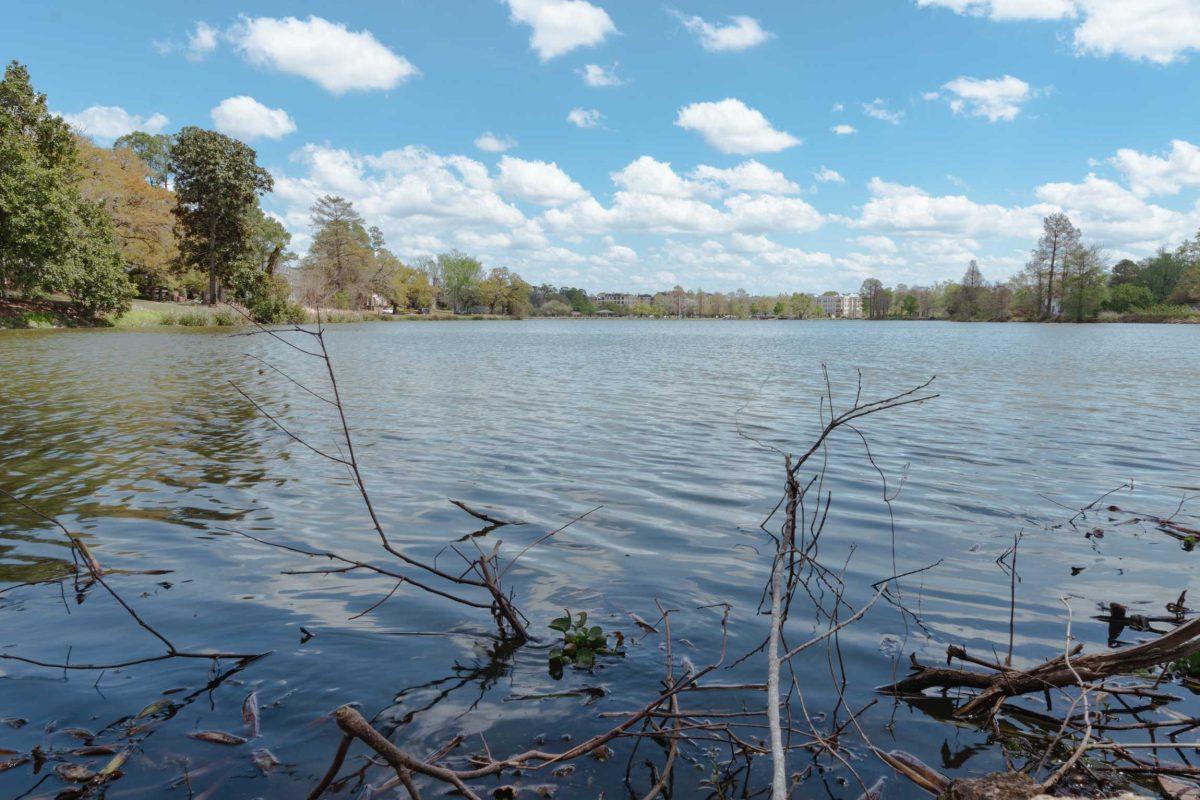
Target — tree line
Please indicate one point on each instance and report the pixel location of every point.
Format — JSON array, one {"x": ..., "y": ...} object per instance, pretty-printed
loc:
[
  {"x": 349, "y": 266},
  {"x": 1065, "y": 279},
  {"x": 177, "y": 213}
]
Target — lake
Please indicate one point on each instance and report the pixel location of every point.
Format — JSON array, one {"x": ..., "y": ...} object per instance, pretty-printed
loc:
[{"x": 138, "y": 441}]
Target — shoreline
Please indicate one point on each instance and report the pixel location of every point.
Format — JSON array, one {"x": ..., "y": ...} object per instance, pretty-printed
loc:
[{"x": 147, "y": 315}]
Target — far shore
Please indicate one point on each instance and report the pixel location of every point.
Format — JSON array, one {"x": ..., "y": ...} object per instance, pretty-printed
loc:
[{"x": 149, "y": 315}]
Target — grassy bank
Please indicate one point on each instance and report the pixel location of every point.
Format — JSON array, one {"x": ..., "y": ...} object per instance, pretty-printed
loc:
[{"x": 145, "y": 314}]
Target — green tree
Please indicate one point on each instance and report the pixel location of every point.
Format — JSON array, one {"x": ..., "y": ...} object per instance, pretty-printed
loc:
[
  {"x": 51, "y": 239},
  {"x": 37, "y": 187},
  {"x": 909, "y": 306},
  {"x": 1060, "y": 238},
  {"x": 578, "y": 300},
  {"x": 967, "y": 301},
  {"x": 1126, "y": 296},
  {"x": 341, "y": 255},
  {"x": 95, "y": 277},
  {"x": 1084, "y": 283},
  {"x": 1125, "y": 271},
  {"x": 257, "y": 279},
  {"x": 1187, "y": 290},
  {"x": 461, "y": 275},
  {"x": 217, "y": 182},
  {"x": 153, "y": 150},
  {"x": 1162, "y": 272}
]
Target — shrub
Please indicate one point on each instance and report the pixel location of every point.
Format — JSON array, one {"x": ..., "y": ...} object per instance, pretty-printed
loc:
[
  {"x": 1160, "y": 313},
  {"x": 193, "y": 319},
  {"x": 1126, "y": 296},
  {"x": 224, "y": 318}
]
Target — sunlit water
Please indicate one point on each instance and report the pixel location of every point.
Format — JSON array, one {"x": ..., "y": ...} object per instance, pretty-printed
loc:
[{"x": 138, "y": 441}]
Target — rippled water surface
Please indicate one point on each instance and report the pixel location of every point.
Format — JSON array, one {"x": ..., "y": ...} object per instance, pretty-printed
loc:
[{"x": 139, "y": 442}]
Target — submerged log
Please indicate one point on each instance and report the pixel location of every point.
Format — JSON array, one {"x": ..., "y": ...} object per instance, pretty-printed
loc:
[{"x": 996, "y": 686}]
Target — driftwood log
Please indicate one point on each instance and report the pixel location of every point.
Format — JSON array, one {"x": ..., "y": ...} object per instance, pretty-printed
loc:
[{"x": 1004, "y": 682}]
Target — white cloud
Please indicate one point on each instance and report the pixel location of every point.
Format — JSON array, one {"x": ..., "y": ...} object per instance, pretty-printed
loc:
[
  {"x": 653, "y": 198},
  {"x": 741, "y": 33},
  {"x": 844, "y": 130},
  {"x": 1160, "y": 175},
  {"x": 994, "y": 98},
  {"x": 770, "y": 212},
  {"x": 539, "y": 182},
  {"x": 909, "y": 209},
  {"x": 749, "y": 176},
  {"x": 202, "y": 41},
  {"x": 1160, "y": 31},
  {"x": 1008, "y": 10},
  {"x": 585, "y": 117},
  {"x": 827, "y": 175},
  {"x": 245, "y": 118},
  {"x": 650, "y": 176},
  {"x": 560, "y": 26},
  {"x": 733, "y": 127},
  {"x": 878, "y": 109},
  {"x": 837, "y": 108},
  {"x": 876, "y": 244},
  {"x": 335, "y": 58},
  {"x": 597, "y": 76},
  {"x": 110, "y": 122},
  {"x": 647, "y": 175},
  {"x": 491, "y": 143},
  {"x": 1111, "y": 214}
]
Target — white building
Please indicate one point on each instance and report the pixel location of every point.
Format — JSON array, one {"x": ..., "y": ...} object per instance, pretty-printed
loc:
[
  {"x": 841, "y": 306},
  {"x": 622, "y": 299}
]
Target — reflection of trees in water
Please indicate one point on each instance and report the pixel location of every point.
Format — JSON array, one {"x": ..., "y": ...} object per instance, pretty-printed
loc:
[{"x": 124, "y": 451}]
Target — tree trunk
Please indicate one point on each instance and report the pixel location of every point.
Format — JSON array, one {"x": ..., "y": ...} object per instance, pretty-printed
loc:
[
  {"x": 1050, "y": 284},
  {"x": 212, "y": 262}
]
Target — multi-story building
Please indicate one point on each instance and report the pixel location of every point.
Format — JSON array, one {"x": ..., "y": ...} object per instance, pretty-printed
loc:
[
  {"x": 622, "y": 299},
  {"x": 841, "y": 306}
]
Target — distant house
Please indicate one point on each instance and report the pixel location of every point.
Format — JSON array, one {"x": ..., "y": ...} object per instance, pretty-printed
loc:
[
  {"x": 841, "y": 306},
  {"x": 623, "y": 299},
  {"x": 377, "y": 302}
]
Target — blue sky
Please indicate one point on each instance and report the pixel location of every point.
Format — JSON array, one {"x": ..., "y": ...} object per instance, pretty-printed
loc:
[{"x": 704, "y": 148}]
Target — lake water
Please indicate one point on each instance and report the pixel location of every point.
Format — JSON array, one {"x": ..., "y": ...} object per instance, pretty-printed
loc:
[{"x": 137, "y": 441}]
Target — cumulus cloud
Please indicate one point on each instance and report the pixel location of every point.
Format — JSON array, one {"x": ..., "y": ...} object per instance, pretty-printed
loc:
[
  {"x": 202, "y": 41},
  {"x": 733, "y": 127},
  {"x": 910, "y": 209},
  {"x": 491, "y": 143},
  {"x": 585, "y": 117},
  {"x": 650, "y": 176},
  {"x": 878, "y": 109},
  {"x": 111, "y": 122},
  {"x": 994, "y": 98},
  {"x": 1160, "y": 31},
  {"x": 827, "y": 175},
  {"x": 598, "y": 77},
  {"x": 328, "y": 53},
  {"x": 741, "y": 33},
  {"x": 844, "y": 130},
  {"x": 245, "y": 118},
  {"x": 749, "y": 176},
  {"x": 1160, "y": 175},
  {"x": 1113, "y": 215},
  {"x": 560, "y": 26},
  {"x": 876, "y": 244},
  {"x": 541, "y": 182}
]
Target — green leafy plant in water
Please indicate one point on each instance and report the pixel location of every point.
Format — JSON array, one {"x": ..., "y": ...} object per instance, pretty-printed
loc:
[
  {"x": 581, "y": 644},
  {"x": 1187, "y": 667}
]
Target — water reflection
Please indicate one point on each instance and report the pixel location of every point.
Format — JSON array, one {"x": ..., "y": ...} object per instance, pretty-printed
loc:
[{"x": 134, "y": 440}]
